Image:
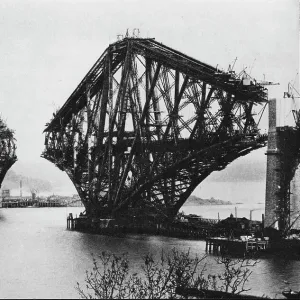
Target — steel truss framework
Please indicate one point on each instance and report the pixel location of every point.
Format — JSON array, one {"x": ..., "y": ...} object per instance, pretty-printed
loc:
[
  {"x": 147, "y": 124},
  {"x": 7, "y": 150},
  {"x": 289, "y": 159}
]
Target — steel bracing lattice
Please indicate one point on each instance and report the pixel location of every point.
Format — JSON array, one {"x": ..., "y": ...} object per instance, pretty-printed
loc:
[
  {"x": 289, "y": 159},
  {"x": 7, "y": 150},
  {"x": 147, "y": 124}
]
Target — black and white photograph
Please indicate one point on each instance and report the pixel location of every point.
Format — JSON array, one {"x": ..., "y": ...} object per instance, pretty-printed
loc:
[{"x": 149, "y": 149}]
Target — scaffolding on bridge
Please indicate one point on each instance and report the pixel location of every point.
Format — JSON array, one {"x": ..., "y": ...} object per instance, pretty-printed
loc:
[
  {"x": 283, "y": 161},
  {"x": 289, "y": 145},
  {"x": 147, "y": 124}
]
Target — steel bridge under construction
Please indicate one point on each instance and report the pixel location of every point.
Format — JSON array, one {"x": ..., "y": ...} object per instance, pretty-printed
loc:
[
  {"x": 7, "y": 149},
  {"x": 147, "y": 124},
  {"x": 283, "y": 158}
]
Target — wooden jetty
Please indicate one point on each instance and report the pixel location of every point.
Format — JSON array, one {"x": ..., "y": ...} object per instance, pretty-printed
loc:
[
  {"x": 111, "y": 226},
  {"x": 28, "y": 202},
  {"x": 219, "y": 244}
]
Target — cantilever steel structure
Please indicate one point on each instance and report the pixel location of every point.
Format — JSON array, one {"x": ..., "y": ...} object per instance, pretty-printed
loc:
[
  {"x": 147, "y": 124},
  {"x": 7, "y": 150}
]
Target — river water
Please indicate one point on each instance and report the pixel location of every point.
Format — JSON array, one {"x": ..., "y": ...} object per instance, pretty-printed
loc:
[{"x": 41, "y": 259}]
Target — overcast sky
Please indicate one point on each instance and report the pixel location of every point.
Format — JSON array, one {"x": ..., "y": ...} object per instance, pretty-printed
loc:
[{"x": 47, "y": 47}]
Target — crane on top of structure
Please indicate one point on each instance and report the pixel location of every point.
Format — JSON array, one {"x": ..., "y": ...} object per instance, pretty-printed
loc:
[{"x": 265, "y": 82}]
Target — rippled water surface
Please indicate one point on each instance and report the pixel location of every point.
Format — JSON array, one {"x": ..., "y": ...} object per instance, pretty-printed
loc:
[{"x": 41, "y": 259}]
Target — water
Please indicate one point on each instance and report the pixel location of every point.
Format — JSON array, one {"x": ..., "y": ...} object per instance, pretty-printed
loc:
[
  {"x": 224, "y": 211},
  {"x": 41, "y": 259}
]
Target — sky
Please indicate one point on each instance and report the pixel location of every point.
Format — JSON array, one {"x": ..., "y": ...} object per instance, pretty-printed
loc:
[{"x": 47, "y": 47}]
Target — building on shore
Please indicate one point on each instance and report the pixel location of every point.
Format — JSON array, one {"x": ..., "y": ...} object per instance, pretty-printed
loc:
[{"x": 9, "y": 201}]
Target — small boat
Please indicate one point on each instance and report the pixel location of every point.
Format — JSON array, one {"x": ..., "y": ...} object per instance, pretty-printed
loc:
[{"x": 291, "y": 294}]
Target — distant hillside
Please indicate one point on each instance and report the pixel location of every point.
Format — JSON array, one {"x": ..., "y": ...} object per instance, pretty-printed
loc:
[
  {"x": 193, "y": 201},
  {"x": 51, "y": 179},
  {"x": 29, "y": 184}
]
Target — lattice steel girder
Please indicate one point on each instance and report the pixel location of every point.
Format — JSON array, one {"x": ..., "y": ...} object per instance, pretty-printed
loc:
[
  {"x": 147, "y": 124},
  {"x": 7, "y": 150},
  {"x": 289, "y": 159}
]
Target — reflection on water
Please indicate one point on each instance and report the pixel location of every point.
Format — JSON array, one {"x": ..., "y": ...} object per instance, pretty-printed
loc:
[{"x": 41, "y": 259}]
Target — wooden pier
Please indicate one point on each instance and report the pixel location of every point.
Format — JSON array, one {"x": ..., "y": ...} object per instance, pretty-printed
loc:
[
  {"x": 219, "y": 244},
  {"x": 29, "y": 203},
  {"x": 111, "y": 227}
]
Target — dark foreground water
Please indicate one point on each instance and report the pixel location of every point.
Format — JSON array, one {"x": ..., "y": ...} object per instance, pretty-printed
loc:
[{"x": 41, "y": 259}]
